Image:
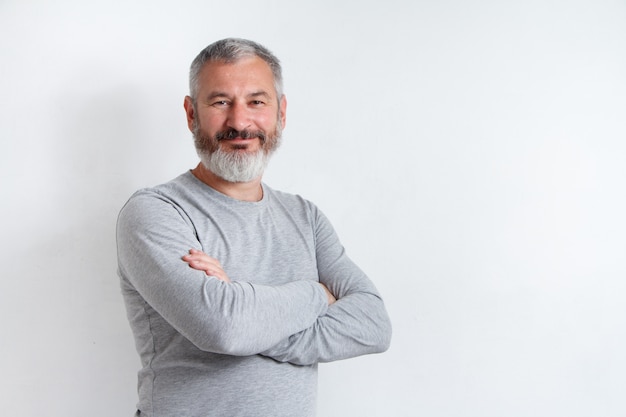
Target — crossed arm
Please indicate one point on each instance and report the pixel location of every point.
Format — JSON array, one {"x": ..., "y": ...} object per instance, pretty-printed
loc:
[
  {"x": 293, "y": 322},
  {"x": 212, "y": 267},
  {"x": 356, "y": 322}
]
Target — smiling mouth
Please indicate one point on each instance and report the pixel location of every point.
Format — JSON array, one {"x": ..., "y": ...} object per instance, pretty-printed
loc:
[
  {"x": 239, "y": 139},
  {"x": 236, "y": 135}
]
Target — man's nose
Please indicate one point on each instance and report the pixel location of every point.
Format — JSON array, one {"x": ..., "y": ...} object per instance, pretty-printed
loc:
[{"x": 238, "y": 116}]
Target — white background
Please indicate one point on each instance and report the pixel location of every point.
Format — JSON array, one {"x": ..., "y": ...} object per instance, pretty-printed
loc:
[{"x": 471, "y": 155}]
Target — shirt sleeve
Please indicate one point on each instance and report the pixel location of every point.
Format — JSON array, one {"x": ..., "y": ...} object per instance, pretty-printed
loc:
[
  {"x": 235, "y": 318},
  {"x": 356, "y": 324}
]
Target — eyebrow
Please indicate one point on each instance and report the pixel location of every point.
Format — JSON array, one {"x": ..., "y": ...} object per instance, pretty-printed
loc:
[
  {"x": 221, "y": 94},
  {"x": 215, "y": 95},
  {"x": 259, "y": 94}
]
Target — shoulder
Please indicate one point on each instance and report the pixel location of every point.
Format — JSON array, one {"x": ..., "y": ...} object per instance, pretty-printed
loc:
[
  {"x": 298, "y": 206},
  {"x": 289, "y": 200},
  {"x": 152, "y": 201}
]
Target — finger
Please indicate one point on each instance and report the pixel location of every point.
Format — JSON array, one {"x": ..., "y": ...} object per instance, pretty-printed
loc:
[
  {"x": 209, "y": 269},
  {"x": 201, "y": 256},
  {"x": 329, "y": 295},
  {"x": 206, "y": 266},
  {"x": 201, "y": 259},
  {"x": 202, "y": 262},
  {"x": 217, "y": 273}
]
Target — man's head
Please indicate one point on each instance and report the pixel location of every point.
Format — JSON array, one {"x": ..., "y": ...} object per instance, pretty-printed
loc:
[{"x": 236, "y": 108}]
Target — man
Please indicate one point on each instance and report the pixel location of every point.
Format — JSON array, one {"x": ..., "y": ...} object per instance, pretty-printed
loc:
[{"x": 235, "y": 291}]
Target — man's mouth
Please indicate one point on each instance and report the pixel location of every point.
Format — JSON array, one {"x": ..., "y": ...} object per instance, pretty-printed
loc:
[{"x": 236, "y": 135}]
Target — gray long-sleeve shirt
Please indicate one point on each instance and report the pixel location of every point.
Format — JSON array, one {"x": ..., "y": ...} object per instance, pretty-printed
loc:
[{"x": 249, "y": 347}]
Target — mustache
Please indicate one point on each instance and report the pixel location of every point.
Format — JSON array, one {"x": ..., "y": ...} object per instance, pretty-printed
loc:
[{"x": 243, "y": 134}]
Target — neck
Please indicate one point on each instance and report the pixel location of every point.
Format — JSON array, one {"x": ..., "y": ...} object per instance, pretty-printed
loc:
[{"x": 244, "y": 191}]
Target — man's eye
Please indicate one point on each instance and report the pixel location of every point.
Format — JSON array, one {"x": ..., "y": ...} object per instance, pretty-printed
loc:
[
  {"x": 220, "y": 103},
  {"x": 257, "y": 102}
]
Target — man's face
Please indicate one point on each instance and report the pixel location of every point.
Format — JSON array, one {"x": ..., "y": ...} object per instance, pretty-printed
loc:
[{"x": 236, "y": 112}]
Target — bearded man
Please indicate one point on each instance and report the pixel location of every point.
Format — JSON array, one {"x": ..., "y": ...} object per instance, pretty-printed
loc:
[{"x": 235, "y": 291}]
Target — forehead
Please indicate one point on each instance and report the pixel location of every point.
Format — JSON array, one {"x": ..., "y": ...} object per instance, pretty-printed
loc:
[{"x": 241, "y": 76}]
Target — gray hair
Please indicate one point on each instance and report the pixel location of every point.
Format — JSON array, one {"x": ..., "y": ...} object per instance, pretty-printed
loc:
[{"x": 231, "y": 50}]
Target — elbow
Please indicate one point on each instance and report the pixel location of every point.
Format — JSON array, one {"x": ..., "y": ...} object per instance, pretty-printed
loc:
[
  {"x": 383, "y": 340},
  {"x": 376, "y": 336}
]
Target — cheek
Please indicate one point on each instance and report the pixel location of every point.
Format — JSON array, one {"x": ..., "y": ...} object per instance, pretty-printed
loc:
[
  {"x": 267, "y": 121},
  {"x": 211, "y": 121}
]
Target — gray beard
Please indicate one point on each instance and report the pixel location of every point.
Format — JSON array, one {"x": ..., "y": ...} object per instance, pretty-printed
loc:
[{"x": 235, "y": 166}]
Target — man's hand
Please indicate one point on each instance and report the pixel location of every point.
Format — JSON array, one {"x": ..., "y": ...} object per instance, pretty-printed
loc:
[
  {"x": 329, "y": 295},
  {"x": 203, "y": 262}
]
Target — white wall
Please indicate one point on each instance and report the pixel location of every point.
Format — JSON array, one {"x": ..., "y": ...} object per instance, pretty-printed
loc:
[{"x": 470, "y": 154}]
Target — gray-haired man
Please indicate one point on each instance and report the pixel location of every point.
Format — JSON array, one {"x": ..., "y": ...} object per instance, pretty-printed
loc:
[{"x": 235, "y": 291}]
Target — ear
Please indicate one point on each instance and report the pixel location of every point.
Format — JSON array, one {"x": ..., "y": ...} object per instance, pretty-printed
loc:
[
  {"x": 283, "y": 110},
  {"x": 190, "y": 111}
]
